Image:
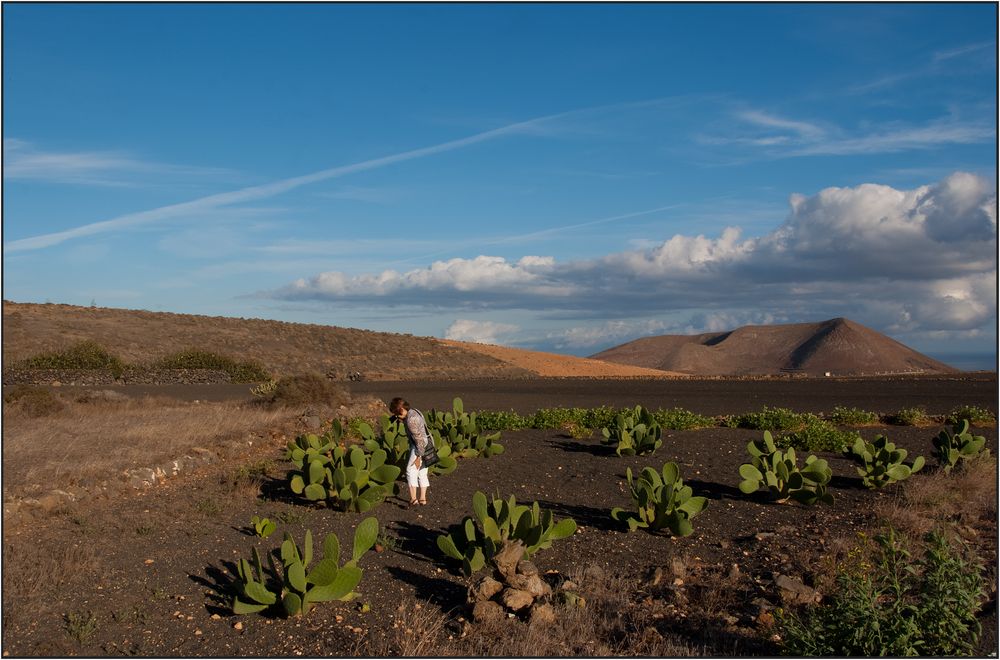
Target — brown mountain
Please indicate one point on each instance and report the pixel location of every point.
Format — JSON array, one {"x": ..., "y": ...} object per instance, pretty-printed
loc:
[
  {"x": 838, "y": 346},
  {"x": 142, "y": 337}
]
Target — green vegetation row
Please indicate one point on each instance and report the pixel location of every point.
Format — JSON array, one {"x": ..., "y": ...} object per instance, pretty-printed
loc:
[
  {"x": 90, "y": 355},
  {"x": 799, "y": 430}
]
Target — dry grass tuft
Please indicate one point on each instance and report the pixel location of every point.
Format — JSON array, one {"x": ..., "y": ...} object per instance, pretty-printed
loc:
[
  {"x": 612, "y": 623},
  {"x": 31, "y": 401},
  {"x": 308, "y": 389},
  {"x": 967, "y": 496},
  {"x": 91, "y": 442}
]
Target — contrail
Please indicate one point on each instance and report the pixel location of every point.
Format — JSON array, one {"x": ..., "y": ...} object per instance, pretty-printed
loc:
[{"x": 277, "y": 187}]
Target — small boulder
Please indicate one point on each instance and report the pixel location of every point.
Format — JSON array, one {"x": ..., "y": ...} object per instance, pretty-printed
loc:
[
  {"x": 793, "y": 592},
  {"x": 533, "y": 584},
  {"x": 484, "y": 589},
  {"x": 516, "y": 599},
  {"x": 486, "y": 611},
  {"x": 527, "y": 568}
]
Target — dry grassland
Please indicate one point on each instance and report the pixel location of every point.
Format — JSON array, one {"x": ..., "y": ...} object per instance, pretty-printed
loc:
[{"x": 86, "y": 443}]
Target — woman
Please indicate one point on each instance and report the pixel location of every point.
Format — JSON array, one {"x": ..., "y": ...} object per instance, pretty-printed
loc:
[{"x": 416, "y": 432}]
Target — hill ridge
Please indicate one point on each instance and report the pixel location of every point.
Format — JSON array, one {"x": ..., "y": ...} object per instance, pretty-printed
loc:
[
  {"x": 282, "y": 347},
  {"x": 838, "y": 346}
]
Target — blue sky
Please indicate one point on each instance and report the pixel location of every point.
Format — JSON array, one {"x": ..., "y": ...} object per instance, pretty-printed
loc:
[{"x": 552, "y": 176}]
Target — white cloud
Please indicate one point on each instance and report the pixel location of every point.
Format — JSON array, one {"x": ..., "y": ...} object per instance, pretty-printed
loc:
[
  {"x": 917, "y": 260},
  {"x": 482, "y": 275},
  {"x": 25, "y": 161},
  {"x": 480, "y": 332}
]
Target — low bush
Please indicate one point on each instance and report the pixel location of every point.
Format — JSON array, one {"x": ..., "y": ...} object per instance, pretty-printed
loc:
[
  {"x": 852, "y": 417},
  {"x": 679, "y": 419},
  {"x": 554, "y": 418},
  {"x": 975, "y": 415},
  {"x": 306, "y": 390},
  {"x": 889, "y": 604},
  {"x": 239, "y": 371},
  {"x": 81, "y": 355},
  {"x": 817, "y": 435},
  {"x": 768, "y": 419},
  {"x": 503, "y": 420},
  {"x": 33, "y": 400},
  {"x": 910, "y": 417}
]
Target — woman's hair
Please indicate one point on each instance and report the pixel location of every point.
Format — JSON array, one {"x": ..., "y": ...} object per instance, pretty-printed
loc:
[{"x": 397, "y": 404}]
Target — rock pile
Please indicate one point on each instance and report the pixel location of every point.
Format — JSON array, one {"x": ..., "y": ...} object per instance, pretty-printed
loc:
[{"x": 516, "y": 588}]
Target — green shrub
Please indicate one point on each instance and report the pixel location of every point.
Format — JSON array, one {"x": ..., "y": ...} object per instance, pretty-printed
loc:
[
  {"x": 306, "y": 390},
  {"x": 888, "y": 604},
  {"x": 816, "y": 434},
  {"x": 768, "y": 419},
  {"x": 492, "y": 420},
  {"x": 81, "y": 355},
  {"x": 679, "y": 419},
  {"x": 34, "y": 400},
  {"x": 193, "y": 358},
  {"x": 577, "y": 431},
  {"x": 853, "y": 417},
  {"x": 974, "y": 414},
  {"x": 910, "y": 417},
  {"x": 81, "y": 626}
]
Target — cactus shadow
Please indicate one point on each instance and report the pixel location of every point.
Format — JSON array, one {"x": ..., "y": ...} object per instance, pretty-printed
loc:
[
  {"x": 715, "y": 491},
  {"x": 586, "y": 516},
  {"x": 446, "y": 594},
  {"x": 219, "y": 583},
  {"x": 277, "y": 490},
  {"x": 418, "y": 542},
  {"x": 847, "y": 483},
  {"x": 581, "y": 446}
]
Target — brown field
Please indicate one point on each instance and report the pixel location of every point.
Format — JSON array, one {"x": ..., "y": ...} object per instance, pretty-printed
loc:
[
  {"x": 122, "y": 571},
  {"x": 141, "y": 337}
]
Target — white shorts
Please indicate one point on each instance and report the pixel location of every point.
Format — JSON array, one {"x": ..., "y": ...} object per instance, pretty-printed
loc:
[{"x": 415, "y": 477}]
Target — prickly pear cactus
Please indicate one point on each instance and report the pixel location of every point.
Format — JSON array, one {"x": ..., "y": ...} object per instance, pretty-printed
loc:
[
  {"x": 778, "y": 472},
  {"x": 634, "y": 432},
  {"x": 958, "y": 444},
  {"x": 298, "y": 586},
  {"x": 662, "y": 501},
  {"x": 477, "y": 539},
  {"x": 881, "y": 462},
  {"x": 263, "y": 527},
  {"x": 351, "y": 479},
  {"x": 461, "y": 433}
]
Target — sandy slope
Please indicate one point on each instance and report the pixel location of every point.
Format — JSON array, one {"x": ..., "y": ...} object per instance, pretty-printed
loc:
[{"x": 551, "y": 364}]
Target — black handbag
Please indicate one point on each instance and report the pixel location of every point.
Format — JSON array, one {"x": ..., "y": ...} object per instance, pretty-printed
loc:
[{"x": 430, "y": 456}]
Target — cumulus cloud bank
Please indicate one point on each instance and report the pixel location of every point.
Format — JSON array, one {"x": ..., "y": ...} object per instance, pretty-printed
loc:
[
  {"x": 922, "y": 259},
  {"x": 480, "y": 332}
]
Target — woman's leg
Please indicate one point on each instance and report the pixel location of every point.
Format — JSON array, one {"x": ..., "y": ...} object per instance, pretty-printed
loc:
[
  {"x": 413, "y": 477},
  {"x": 424, "y": 483}
]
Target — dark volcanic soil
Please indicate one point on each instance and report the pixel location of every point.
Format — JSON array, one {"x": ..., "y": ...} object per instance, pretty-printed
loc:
[{"x": 147, "y": 566}]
